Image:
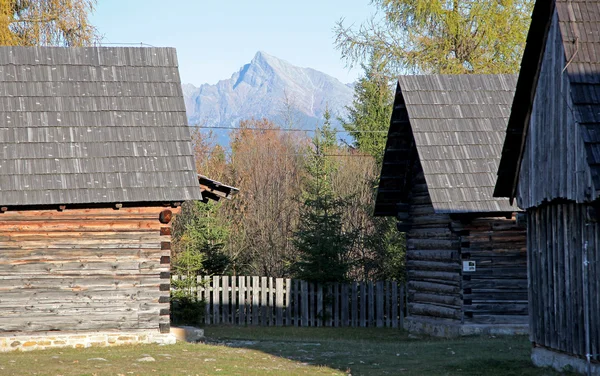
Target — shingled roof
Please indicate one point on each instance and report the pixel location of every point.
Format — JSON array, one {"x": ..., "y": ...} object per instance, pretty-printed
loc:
[
  {"x": 579, "y": 22},
  {"x": 93, "y": 125},
  {"x": 457, "y": 125}
]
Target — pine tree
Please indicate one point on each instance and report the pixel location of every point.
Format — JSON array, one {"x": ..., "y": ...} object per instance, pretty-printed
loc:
[
  {"x": 199, "y": 240},
  {"x": 369, "y": 115},
  {"x": 320, "y": 240},
  {"x": 368, "y": 122}
]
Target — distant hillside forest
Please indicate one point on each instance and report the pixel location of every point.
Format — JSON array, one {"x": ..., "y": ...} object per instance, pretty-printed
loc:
[{"x": 304, "y": 209}]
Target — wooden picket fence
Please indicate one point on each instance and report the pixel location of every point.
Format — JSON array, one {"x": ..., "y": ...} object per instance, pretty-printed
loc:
[{"x": 267, "y": 301}]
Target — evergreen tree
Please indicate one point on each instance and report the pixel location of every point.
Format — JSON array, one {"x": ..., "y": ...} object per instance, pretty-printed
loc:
[
  {"x": 320, "y": 239},
  {"x": 368, "y": 122},
  {"x": 369, "y": 115},
  {"x": 199, "y": 240}
]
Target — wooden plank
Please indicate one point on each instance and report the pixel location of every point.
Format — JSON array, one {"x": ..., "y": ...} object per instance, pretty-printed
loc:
[
  {"x": 304, "y": 302},
  {"x": 595, "y": 291},
  {"x": 255, "y": 300},
  {"x": 216, "y": 291},
  {"x": 207, "y": 307},
  {"x": 560, "y": 277},
  {"x": 354, "y": 305},
  {"x": 296, "y": 302},
  {"x": 242, "y": 301},
  {"x": 371, "y": 303},
  {"x": 263, "y": 291},
  {"x": 271, "y": 304},
  {"x": 568, "y": 287},
  {"x": 279, "y": 297},
  {"x": 234, "y": 300},
  {"x": 402, "y": 304},
  {"x": 226, "y": 300},
  {"x": 309, "y": 295},
  {"x": 336, "y": 304},
  {"x": 329, "y": 301},
  {"x": 388, "y": 304},
  {"x": 379, "y": 295},
  {"x": 344, "y": 306},
  {"x": 394, "y": 303},
  {"x": 363, "y": 304},
  {"x": 288, "y": 302},
  {"x": 320, "y": 305}
]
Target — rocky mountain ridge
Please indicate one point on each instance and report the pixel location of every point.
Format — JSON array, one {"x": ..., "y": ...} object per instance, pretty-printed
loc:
[{"x": 268, "y": 87}]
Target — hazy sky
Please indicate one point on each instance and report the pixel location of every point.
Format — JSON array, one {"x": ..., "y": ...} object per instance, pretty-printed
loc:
[{"x": 215, "y": 38}]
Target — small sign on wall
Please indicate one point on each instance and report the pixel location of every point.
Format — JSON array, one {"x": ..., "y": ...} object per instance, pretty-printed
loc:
[{"x": 469, "y": 266}]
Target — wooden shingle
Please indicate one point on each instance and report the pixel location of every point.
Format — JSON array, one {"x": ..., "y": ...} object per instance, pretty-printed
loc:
[
  {"x": 456, "y": 124},
  {"x": 93, "y": 125}
]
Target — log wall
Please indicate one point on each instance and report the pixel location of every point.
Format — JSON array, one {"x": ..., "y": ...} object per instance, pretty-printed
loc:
[
  {"x": 432, "y": 258},
  {"x": 437, "y": 244},
  {"x": 84, "y": 269},
  {"x": 496, "y": 293},
  {"x": 560, "y": 234}
]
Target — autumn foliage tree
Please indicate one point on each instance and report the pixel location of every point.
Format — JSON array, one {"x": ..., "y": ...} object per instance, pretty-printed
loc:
[
  {"x": 266, "y": 164},
  {"x": 293, "y": 197},
  {"x": 441, "y": 36},
  {"x": 46, "y": 23}
]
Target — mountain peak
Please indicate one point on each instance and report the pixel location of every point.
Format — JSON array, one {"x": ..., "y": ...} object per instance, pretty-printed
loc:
[
  {"x": 267, "y": 87},
  {"x": 262, "y": 58}
]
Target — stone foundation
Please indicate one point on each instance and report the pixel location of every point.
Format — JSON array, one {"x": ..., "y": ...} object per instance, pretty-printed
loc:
[
  {"x": 542, "y": 357},
  {"x": 451, "y": 329},
  {"x": 46, "y": 340}
]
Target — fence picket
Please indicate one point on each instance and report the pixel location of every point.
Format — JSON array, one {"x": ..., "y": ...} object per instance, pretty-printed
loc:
[
  {"x": 371, "y": 299},
  {"x": 304, "y": 302},
  {"x": 330, "y": 304},
  {"x": 354, "y": 306},
  {"x": 234, "y": 296},
  {"x": 242, "y": 301},
  {"x": 255, "y": 300},
  {"x": 379, "y": 301},
  {"x": 296, "y": 297},
  {"x": 394, "y": 304},
  {"x": 270, "y": 301},
  {"x": 344, "y": 307},
  {"x": 319, "y": 305},
  {"x": 279, "y": 301},
  {"x": 208, "y": 300},
  {"x": 363, "y": 304},
  {"x": 288, "y": 302},
  {"x": 216, "y": 300},
  {"x": 225, "y": 297},
  {"x": 310, "y": 305},
  {"x": 263, "y": 300},
  {"x": 388, "y": 304}
]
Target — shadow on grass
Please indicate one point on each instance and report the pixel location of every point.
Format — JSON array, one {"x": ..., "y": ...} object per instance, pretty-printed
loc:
[{"x": 364, "y": 351}]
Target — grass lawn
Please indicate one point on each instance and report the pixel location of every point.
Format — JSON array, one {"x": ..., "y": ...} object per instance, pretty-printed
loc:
[{"x": 289, "y": 351}]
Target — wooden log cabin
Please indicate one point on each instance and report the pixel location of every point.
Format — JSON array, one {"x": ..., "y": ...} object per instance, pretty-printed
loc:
[
  {"x": 466, "y": 260},
  {"x": 95, "y": 158},
  {"x": 550, "y": 164}
]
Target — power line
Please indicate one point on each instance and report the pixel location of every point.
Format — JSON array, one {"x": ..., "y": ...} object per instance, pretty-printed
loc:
[
  {"x": 230, "y": 153},
  {"x": 141, "y": 44},
  {"x": 282, "y": 129}
]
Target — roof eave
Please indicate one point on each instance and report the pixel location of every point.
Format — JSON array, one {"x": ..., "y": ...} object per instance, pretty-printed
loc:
[{"x": 518, "y": 123}]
